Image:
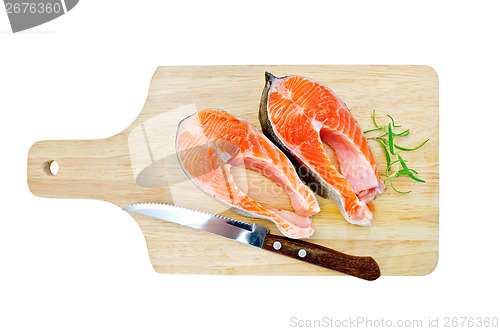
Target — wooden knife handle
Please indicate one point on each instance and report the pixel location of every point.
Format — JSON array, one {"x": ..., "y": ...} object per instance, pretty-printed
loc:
[{"x": 363, "y": 267}]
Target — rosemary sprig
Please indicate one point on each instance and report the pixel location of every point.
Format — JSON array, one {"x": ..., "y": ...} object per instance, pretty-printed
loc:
[
  {"x": 387, "y": 156},
  {"x": 403, "y": 134},
  {"x": 392, "y": 119},
  {"x": 391, "y": 139},
  {"x": 411, "y": 149},
  {"x": 407, "y": 171},
  {"x": 386, "y": 140},
  {"x": 373, "y": 118},
  {"x": 405, "y": 192}
]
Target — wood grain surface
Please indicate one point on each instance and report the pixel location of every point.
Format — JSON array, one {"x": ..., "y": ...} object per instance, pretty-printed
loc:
[{"x": 139, "y": 165}]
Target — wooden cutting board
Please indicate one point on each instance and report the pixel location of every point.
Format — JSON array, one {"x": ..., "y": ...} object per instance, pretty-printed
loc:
[{"x": 139, "y": 165}]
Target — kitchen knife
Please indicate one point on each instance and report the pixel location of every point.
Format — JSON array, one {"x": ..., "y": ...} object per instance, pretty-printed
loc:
[{"x": 257, "y": 235}]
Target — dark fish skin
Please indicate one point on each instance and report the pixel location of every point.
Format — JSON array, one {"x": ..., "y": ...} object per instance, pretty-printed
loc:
[{"x": 313, "y": 180}]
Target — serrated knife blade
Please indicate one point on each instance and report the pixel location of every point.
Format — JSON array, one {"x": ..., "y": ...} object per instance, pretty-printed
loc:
[
  {"x": 250, "y": 234},
  {"x": 257, "y": 235}
]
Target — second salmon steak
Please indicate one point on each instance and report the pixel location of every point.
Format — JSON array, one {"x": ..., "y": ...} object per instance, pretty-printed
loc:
[{"x": 300, "y": 115}]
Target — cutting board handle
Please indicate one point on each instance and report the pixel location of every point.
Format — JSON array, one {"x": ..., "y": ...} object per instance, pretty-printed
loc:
[{"x": 86, "y": 168}]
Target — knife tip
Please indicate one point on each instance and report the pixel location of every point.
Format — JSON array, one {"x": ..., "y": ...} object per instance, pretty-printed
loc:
[{"x": 127, "y": 208}]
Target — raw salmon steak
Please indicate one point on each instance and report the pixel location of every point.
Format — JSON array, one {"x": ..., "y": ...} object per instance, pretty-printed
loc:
[
  {"x": 209, "y": 142},
  {"x": 300, "y": 115}
]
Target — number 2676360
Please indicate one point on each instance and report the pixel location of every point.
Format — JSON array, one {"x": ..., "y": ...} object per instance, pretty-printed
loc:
[{"x": 33, "y": 8}]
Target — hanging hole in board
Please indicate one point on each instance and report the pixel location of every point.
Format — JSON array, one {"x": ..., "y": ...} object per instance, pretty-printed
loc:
[{"x": 51, "y": 167}]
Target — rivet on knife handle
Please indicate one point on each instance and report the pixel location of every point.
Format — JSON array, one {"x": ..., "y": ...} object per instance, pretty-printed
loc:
[{"x": 363, "y": 267}]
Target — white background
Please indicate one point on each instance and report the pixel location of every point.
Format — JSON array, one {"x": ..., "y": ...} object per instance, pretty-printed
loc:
[{"x": 83, "y": 265}]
